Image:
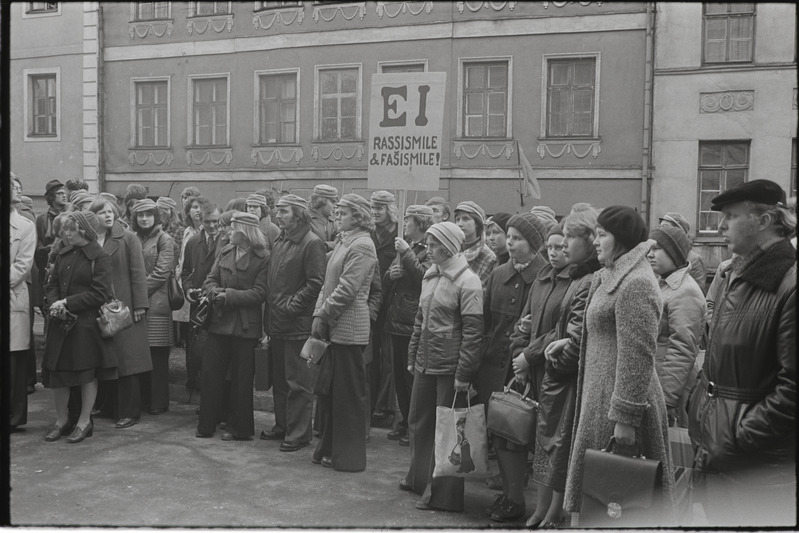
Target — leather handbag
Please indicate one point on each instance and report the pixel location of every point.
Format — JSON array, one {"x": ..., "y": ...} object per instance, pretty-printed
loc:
[
  {"x": 114, "y": 317},
  {"x": 174, "y": 293},
  {"x": 621, "y": 491},
  {"x": 512, "y": 414},
  {"x": 201, "y": 315}
]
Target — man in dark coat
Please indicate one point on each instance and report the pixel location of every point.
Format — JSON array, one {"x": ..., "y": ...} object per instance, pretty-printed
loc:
[
  {"x": 56, "y": 196},
  {"x": 742, "y": 413},
  {"x": 198, "y": 259},
  {"x": 296, "y": 274}
]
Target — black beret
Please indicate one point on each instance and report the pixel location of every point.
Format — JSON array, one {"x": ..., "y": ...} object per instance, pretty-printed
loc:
[
  {"x": 760, "y": 191},
  {"x": 625, "y": 224}
]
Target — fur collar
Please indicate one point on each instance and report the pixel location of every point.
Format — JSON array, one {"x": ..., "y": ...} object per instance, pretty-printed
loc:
[{"x": 767, "y": 270}]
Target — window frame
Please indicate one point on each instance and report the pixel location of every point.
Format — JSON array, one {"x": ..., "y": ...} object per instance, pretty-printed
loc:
[
  {"x": 195, "y": 4},
  {"x": 28, "y": 102},
  {"x": 402, "y": 63},
  {"x": 260, "y": 7},
  {"x": 463, "y": 62},
  {"x": 192, "y": 78},
  {"x": 28, "y": 12},
  {"x": 134, "y": 125},
  {"x": 317, "y": 123},
  {"x": 723, "y": 168},
  {"x": 545, "y": 59},
  {"x": 727, "y": 16},
  {"x": 134, "y": 12},
  {"x": 257, "y": 106}
]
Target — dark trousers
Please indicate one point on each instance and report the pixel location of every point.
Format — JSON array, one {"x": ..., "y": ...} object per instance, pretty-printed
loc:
[
  {"x": 193, "y": 357},
  {"x": 292, "y": 390},
  {"x": 155, "y": 386},
  {"x": 31, "y": 354},
  {"x": 403, "y": 380},
  {"x": 18, "y": 387},
  {"x": 128, "y": 396},
  {"x": 430, "y": 391},
  {"x": 226, "y": 354},
  {"x": 344, "y": 410}
]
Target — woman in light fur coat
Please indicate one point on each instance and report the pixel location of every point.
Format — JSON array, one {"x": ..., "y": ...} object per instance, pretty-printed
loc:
[{"x": 619, "y": 394}]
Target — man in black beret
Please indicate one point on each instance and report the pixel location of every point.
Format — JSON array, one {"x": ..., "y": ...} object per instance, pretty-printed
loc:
[{"x": 742, "y": 413}]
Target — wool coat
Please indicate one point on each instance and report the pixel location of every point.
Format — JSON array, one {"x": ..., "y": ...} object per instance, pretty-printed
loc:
[
  {"x": 198, "y": 259},
  {"x": 617, "y": 381},
  {"x": 158, "y": 249},
  {"x": 343, "y": 302},
  {"x": 129, "y": 284},
  {"x": 244, "y": 281},
  {"x": 23, "y": 246},
  {"x": 401, "y": 296},
  {"x": 86, "y": 287},
  {"x": 296, "y": 274},
  {"x": 681, "y": 324}
]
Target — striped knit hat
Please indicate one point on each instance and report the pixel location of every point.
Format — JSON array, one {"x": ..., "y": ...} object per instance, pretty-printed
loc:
[
  {"x": 292, "y": 199},
  {"x": 473, "y": 209},
  {"x": 257, "y": 199},
  {"x": 248, "y": 219},
  {"x": 80, "y": 197},
  {"x": 165, "y": 202},
  {"x": 546, "y": 214},
  {"x": 449, "y": 235},
  {"x": 143, "y": 205},
  {"x": 87, "y": 222},
  {"x": 531, "y": 227}
]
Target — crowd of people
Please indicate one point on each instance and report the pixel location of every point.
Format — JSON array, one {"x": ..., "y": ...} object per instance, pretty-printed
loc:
[{"x": 606, "y": 324}]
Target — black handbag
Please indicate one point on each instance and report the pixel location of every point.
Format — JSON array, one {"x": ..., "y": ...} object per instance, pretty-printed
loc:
[
  {"x": 201, "y": 315},
  {"x": 620, "y": 491},
  {"x": 174, "y": 293},
  {"x": 512, "y": 414}
]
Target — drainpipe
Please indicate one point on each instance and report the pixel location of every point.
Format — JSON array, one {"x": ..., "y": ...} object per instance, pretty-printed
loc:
[
  {"x": 100, "y": 102},
  {"x": 649, "y": 81}
]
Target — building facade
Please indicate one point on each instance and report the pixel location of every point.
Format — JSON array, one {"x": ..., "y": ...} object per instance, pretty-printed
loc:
[
  {"x": 235, "y": 96},
  {"x": 54, "y": 93},
  {"x": 725, "y": 108}
]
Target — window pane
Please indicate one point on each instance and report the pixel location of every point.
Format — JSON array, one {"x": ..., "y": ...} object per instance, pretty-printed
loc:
[
  {"x": 287, "y": 133},
  {"x": 329, "y": 128},
  {"x": 559, "y": 73},
  {"x": 716, "y": 29},
  {"x": 737, "y": 154},
  {"x": 497, "y": 77},
  {"x": 348, "y": 81},
  {"x": 496, "y": 104},
  {"x": 496, "y": 126},
  {"x": 710, "y": 154},
  {"x": 474, "y": 103},
  {"x": 474, "y": 126},
  {"x": 709, "y": 221},
  {"x": 583, "y": 100},
  {"x": 329, "y": 82},
  {"x": 715, "y": 8},
  {"x": 735, "y": 178},
  {"x": 475, "y": 77},
  {"x": 287, "y": 112},
  {"x": 710, "y": 180},
  {"x": 582, "y": 124},
  {"x": 289, "y": 87},
  {"x": 348, "y": 106},
  {"x": 706, "y": 200},
  {"x": 329, "y": 108},
  {"x": 584, "y": 73},
  {"x": 742, "y": 7},
  {"x": 348, "y": 128}
]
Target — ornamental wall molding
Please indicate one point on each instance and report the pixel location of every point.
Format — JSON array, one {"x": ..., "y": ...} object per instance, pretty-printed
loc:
[
  {"x": 281, "y": 156},
  {"x": 348, "y": 11},
  {"x": 403, "y": 7},
  {"x": 494, "y": 150},
  {"x": 151, "y": 156},
  {"x": 217, "y": 23},
  {"x": 562, "y": 4},
  {"x": 724, "y": 101},
  {"x": 217, "y": 157},
  {"x": 580, "y": 149},
  {"x": 157, "y": 28},
  {"x": 286, "y": 16},
  {"x": 338, "y": 152},
  {"x": 474, "y": 7}
]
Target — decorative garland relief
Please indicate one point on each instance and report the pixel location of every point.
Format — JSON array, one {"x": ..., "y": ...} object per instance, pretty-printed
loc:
[
  {"x": 143, "y": 29},
  {"x": 474, "y": 7},
  {"x": 566, "y": 147},
  {"x": 402, "y": 7},
  {"x": 267, "y": 155},
  {"x": 726, "y": 101},
  {"x": 150, "y": 157},
  {"x": 328, "y": 13},
  {"x": 201, "y": 25},
  {"x": 562, "y": 4},
  {"x": 259, "y": 21},
  {"x": 337, "y": 152},
  {"x": 217, "y": 157},
  {"x": 473, "y": 150}
]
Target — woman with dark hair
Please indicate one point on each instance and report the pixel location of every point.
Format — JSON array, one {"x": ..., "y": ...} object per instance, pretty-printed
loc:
[
  {"x": 470, "y": 218},
  {"x": 129, "y": 285},
  {"x": 133, "y": 193},
  {"x": 443, "y": 355},
  {"x": 191, "y": 218},
  {"x": 159, "y": 259},
  {"x": 403, "y": 282},
  {"x": 342, "y": 317},
  {"x": 618, "y": 391},
  {"x": 496, "y": 237},
  {"x": 75, "y": 354},
  {"x": 185, "y": 196},
  {"x": 237, "y": 286}
]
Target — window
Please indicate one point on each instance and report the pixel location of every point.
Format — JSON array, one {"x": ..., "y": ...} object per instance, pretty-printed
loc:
[
  {"x": 151, "y": 10},
  {"x": 339, "y": 104},
  {"x": 152, "y": 114},
  {"x": 793, "y": 168},
  {"x": 485, "y": 99},
  {"x": 722, "y": 165},
  {"x": 273, "y": 5},
  {"x": 210, "y": 8},
  {"x": 571, "y": 97},
  {"x": 729, "y": 32},
  {"x": 209, "y": 112},
  {"x": 402, "y": 67},
  {"x": 277, "y": 109},
  {"x": 42, "y": 7},
  {"x": 44, "y": 106}
]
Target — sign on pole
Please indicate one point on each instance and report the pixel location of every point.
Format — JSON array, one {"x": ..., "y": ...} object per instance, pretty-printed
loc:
[{"x": 406, "y": 117}]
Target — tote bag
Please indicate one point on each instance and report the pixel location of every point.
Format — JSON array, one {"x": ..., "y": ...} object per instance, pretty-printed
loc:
[{"x": 461, "y": 442}]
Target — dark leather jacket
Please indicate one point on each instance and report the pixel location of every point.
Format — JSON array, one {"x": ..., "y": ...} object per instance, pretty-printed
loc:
[
  {"x": 742, "y": 414},
  {"x": 401, "y": 296}
]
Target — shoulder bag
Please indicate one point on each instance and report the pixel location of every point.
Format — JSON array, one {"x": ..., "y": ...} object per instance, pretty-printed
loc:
[
  {"x": 512, "y": 415},
  {"x": 114, "y": 315},
  {"x": 174, "y": 293}
]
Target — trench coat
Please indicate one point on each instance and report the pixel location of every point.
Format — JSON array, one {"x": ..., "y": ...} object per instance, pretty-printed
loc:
[
  {"x": 158, "y": 249},
  {"x": 129, "y": 285},
  {"x": 82, "y": 275},
  {"x": 617, "y": 381},
  {"x": 23, "y": 246}
]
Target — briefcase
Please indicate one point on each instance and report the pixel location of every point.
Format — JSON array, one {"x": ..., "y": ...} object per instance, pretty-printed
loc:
[{"x": 620, "y": 491}]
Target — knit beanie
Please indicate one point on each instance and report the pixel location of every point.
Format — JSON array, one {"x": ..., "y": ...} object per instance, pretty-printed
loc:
[
  {"x": 292, "y": 199},
  {"x": 382, "y": 197},
  {"x": 111, "y": 197},
  {"x": 449, "y": 235},
  {"x": 557, "y": 229},
  {"x": 531, "y": 227},
  {"x": 473, "y": 209},
  {"x": 357, "y": 203},
  {"x": 80, "y": 197},
  {"x": 675, "y": 243},
  {"x": 248, "y": 219},
  {"x": 257, "y": 199},
  {"x": 625, "y": 224},
  {"x": 500, "y": 219},
  {"x": 165, "y": 202},
  {"x": 143, "y": 205},
  {"x": 87, "y": 222},
  {"x": 546, "y": 214},
  {"x": 325, "y": 191}
]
